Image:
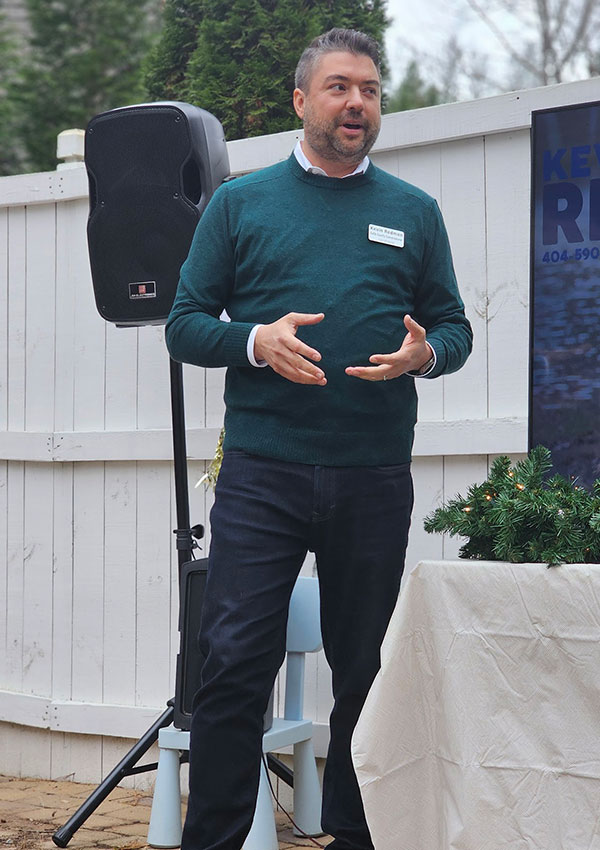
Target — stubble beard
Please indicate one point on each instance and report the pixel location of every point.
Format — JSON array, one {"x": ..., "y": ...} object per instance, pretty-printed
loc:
[{"x": 324, "y": 140}]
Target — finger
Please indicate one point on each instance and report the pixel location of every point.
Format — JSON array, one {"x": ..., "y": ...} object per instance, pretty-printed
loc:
[
  {"x": 294, "y": 363},
  {"x": 388, "y": 359},
  {"x": 370, "y": 373},
  {"x": 413, "y": 327},
  {"x": 306, "y": 378},
  {"x": 299, "y": 375},
  {"x": 300, "y": 348},
  {"x": 305, "y": 318}
]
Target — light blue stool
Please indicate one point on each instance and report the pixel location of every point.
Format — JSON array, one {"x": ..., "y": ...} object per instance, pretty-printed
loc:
[{"x": 303, "y": 635}]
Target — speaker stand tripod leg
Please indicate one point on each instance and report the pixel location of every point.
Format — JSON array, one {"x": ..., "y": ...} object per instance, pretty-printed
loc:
[{"x": 63, "y": 835}]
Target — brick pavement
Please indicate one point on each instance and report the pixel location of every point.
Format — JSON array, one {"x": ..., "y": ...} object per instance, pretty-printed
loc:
[{"x": 32, "y": 809}]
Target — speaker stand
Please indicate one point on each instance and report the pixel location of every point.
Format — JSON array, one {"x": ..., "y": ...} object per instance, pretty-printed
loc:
[{"x": 186, "y": 538}]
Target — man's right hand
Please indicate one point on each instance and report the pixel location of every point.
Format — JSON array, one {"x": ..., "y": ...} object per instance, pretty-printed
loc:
[{"x": 287, "y": 355}]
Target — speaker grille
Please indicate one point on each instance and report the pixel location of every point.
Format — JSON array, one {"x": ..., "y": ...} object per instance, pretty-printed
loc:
[
  {"x": 149, "y": 235},
  {"x": 138, "y": 147}
]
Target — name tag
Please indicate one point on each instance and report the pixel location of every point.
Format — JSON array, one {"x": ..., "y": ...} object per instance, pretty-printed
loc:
[{"x": 386, "y": 235}]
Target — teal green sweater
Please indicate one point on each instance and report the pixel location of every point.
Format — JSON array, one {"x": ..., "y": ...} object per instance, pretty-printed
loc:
[{"x": 283, "y": 240}]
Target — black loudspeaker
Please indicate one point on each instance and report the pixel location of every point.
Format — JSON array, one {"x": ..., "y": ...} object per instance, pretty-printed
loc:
[
  {"x": 152, "y": 169},
  {"x": 190, "y": 659}
]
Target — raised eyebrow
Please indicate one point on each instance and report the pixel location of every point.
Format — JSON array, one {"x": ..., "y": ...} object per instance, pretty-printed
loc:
[{"x": 345, "y": 79}]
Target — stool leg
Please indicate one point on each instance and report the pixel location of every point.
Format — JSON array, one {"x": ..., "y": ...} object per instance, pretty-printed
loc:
[
  {"x": 262, "y": 835},
  {"x": 307, "y": 790},
  {"x": 165, "y": 816}
]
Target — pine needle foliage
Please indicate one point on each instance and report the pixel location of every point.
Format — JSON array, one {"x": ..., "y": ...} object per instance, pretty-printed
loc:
[
  {"x": 10, "y": 64},
  {"x": 82, "y": 57},
  {"x": 521, "y": 515},
  {"x": 237, "y": 58}
]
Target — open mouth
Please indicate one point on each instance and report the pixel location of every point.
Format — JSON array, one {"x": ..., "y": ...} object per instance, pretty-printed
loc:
[{"x": 351, "y": 128}]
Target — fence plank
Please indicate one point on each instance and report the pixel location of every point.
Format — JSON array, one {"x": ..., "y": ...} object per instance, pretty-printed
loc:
[
  {"x": 89, "y": 360},
  {"x": 76, "y": 757},
  {"x": 463, "y": 202},
  {"x": 3, "y": 319},
  {"x": 35, "y": 753},
  {"x": 15, "y": 601},
  {"x": 37, "y": 578},
  {"x": 154, "y": 541},
  {"x": 120, "y": 412},
  {"x": 17, "y": 245},
  {"x": 62, "y": 585},
  {"x": 40, "y": 261},
  {"x": 4, "y": 633},
  {"x": 120, "y": 603},
  {"x": 154, "y": 404},
  {"x": 194, "y": 389},
  {"x": 88, "y": 581},
  {"x": 215, "y": 406},
  {"x": 428, "y": 475},
  {"x": 71, "y": 273},
  {"x": 508, "y": 272}
]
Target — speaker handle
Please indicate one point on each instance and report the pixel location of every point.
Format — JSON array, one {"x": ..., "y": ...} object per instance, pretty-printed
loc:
[
  {"x": 191, "y": 181},
  {"x": 93, "y": 191}
]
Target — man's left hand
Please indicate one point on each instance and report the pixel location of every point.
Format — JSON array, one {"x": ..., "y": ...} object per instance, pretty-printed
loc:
[{"x": 411, "y": 356}]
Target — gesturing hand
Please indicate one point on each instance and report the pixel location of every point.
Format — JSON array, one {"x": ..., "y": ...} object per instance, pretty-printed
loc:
[
  {"x": 412, "y": 354},
  {"x": 285, "y": 353}
]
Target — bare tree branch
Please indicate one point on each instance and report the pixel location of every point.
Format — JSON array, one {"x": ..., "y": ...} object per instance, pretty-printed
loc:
[
  {"x": 490, "y": 23},
  {"x": 582, "y": 26}
]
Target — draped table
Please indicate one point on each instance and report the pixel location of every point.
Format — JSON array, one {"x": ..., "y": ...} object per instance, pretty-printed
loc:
[{"x": 482, "y": 729}]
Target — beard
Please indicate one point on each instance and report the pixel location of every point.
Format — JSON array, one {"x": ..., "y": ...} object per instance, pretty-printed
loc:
[{"x": 323, "y": 138}]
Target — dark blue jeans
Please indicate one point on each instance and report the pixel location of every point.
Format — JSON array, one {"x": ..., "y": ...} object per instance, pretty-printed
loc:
[{"x": 267, "y": 515}]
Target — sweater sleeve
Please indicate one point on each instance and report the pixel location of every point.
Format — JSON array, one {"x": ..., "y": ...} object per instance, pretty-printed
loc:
[
  {"x": 194, "y": 332},
  {"x": 438, "y": 306}
]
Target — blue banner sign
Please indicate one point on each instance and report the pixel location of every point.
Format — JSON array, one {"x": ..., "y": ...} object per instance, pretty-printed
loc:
[{"x": 564, "y": 399}]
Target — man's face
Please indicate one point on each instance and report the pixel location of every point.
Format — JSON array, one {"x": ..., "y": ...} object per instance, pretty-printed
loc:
[{"x": 341, "y": 110}]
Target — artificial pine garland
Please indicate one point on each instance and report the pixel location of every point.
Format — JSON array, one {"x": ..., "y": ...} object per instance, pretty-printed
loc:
[
  {"x": 209, "y": 479},
  {"x": 517, "y": 515}
]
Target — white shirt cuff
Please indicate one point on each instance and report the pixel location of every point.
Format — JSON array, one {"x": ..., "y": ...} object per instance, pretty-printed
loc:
[
  {"x": 250, "y": 349},
  {"x": 431, "y": 368}
]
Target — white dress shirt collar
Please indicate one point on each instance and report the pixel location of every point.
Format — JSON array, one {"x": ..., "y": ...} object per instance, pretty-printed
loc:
[{"x": 314, "y": 169}]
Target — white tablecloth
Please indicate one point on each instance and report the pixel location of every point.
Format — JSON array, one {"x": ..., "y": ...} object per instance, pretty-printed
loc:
[{"x": 482, "y": 729}]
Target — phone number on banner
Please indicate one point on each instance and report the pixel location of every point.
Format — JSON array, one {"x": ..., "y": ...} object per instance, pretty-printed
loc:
[{"x": 565, "y": 256}]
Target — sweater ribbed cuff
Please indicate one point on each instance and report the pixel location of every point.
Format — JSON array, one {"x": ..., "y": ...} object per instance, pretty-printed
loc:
[
  {"x": 440, "y": 358},
  {"x": 236, "y": 343}
]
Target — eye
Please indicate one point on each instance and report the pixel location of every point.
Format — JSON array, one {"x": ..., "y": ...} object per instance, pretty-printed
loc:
[
  {"x": 371, "y": 91},
  {"x": 339, "y": 87}
]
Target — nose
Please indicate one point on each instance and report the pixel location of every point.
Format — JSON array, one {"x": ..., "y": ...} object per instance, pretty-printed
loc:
[{"x": 354, "y": 99}]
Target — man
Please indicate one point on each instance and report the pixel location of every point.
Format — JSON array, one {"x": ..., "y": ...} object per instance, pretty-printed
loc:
[{"x": 339, "y": 283}]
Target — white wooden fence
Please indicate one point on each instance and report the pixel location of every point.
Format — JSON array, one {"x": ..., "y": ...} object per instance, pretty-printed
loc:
[{"x": 88, "y": 597}]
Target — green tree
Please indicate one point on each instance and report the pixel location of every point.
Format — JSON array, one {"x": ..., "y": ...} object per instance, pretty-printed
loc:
[
  {"x": 237, "y": 58},
  {"x": 10, "y": 153},
  {"x": 166, "y": 65},
  {"x": 83, "y": 58},
  {"x": 413, "y": 92}
]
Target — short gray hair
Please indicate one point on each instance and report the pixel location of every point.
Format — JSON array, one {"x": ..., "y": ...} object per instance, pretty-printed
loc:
[{"x": 349, "y": 41}]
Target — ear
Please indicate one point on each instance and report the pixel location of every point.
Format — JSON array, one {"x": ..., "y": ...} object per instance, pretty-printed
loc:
[{"x": 299, "y": 103}]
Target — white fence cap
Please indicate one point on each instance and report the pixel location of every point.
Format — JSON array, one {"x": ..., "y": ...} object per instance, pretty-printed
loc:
[{"x": 70, "y": 148}]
